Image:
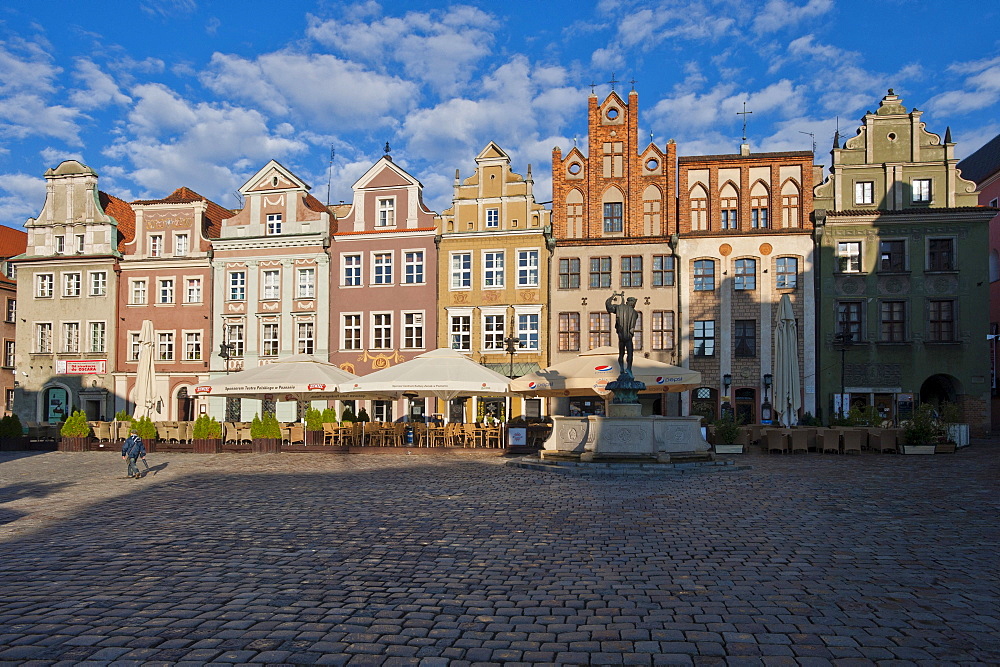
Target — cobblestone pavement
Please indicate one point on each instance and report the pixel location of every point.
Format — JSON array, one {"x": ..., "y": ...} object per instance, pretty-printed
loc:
[{"x": 399, "y": 559}]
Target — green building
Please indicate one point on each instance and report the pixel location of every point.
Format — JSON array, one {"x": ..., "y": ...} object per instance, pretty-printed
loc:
[{"x": 902, "y": 255}]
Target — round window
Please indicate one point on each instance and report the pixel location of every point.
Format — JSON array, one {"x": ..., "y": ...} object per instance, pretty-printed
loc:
[
  {"x": 612, "y": 113},
  {"x": 652, "y": 164},
  {"x": 892, "y": 136},
  {"x": 575, "y": 168}
]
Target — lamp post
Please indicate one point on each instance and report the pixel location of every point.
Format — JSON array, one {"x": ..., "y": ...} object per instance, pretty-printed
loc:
[
  {"x": 511, "y": 345},
  {"x": 727, "y": 406},
  {"x": 227, "y": 352},
  {"x": 765, "y": 408},
  {"x": 842, "y": 341}
]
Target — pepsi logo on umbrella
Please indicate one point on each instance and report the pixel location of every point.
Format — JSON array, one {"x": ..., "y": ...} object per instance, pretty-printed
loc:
[{"x": 603, "y": 368}]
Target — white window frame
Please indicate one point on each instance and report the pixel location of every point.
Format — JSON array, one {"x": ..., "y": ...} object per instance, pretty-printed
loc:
[
  {"x": 355, "y": 326},
  {"x": 413, "y": 267},
  {"x": 528, "y": 271},
  {"x": 81, "y": 243},
  {"x": 138, "y": 292},
  {"x": 381, "y": 261},
  {"x": 43, "y": 337},
  {"x": 72, "y": 284},
  {"x": 98, "y": 336},
  {"x": 458, "y": 319},
  {"x": 305, "y": 337},
  {"x": 166, "y": 349},
  {"x": 847, "y": 257},
  {"x": 45, "y": 285},
  {"x": 270, "y": 346},
  {"x": 381, "y": 330},
  {"x": 98, "y": 283},
  {"x": 493, "y": 270},
  {"x": 236, "y": 288},
  {"x": 413, "y": 329},
  {"x": 921, "y": 190},
  {"x": 460, "y": 277},
  {"x": 165, "y": 291},
  {"x": 493, "y": 218},
  {"x": 272, "y": 224},
  {"x": 192, "y": 346},
  {"x": 71, "y": 337},
  {"x": 9, "y": 354},
  {"x": 352, "y": 266},
  {"x": 864, "y": 192},
  {"x": 385, "y": 211},
  {"x": 235, "y": 334},
  {"x": 60, "y": 244},
  {"x": 156, "y": 245},
  {"x": 192, "y": 290},
  {"x": 271, "y": 284},
  {"x": 529, "y": 338},
  {"x": 305, "y": 282},
  {"x": 133, "y": 345},
  {"x": 492, "y": 336}
]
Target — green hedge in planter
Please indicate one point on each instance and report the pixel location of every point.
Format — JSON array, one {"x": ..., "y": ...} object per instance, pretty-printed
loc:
[
  {"x": 265, "y": 427},
  {"x": 206, "y": 427},
  {"x": 75, "y": 426}
]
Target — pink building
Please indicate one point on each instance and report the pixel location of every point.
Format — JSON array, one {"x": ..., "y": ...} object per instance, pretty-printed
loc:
[
  {"x": 384, "y": 277},
  {"x": 983, "y": 168}
]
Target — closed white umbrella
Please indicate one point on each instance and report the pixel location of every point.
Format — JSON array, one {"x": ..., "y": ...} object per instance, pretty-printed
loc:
[
  {"x": 145, "y": 374},
  {"x": 787, "y": 387},
  {"x": 589, "y": 373}
]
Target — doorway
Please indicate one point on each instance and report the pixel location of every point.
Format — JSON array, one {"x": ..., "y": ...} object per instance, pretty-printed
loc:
[{"x": 746, "y": 406}]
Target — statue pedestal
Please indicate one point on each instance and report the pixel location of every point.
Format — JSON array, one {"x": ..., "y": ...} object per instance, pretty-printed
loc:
[{"x": 625, "y": 435}]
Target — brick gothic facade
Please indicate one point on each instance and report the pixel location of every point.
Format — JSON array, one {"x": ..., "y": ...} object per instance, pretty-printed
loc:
[{"x": 612, "y": 214}]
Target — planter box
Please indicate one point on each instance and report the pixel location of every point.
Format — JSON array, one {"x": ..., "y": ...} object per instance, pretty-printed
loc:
[
  {"x": 265, "y": 445},
  {"x": 314, "y": 437},
  {"x": 728, "y": 449},
  {"x": 206, "y": 445},
  {"x": 67, "y": 444},
  {"x": 917, "y": 449},
  {"x": 945, "y": 448},
  {"x": 13, "y": 444}
]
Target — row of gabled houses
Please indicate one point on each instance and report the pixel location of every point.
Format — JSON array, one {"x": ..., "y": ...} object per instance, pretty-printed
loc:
[{"x": 884, "y": 261}]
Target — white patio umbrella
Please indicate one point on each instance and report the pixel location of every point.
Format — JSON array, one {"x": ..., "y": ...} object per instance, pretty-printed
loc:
[
  {"x": 787, "y": 388},
  {"x": 443, "y": 373},
  {"x": 145, "y": 374},
  {"x": 589, "y": 372},
  {"x": 301, "y": 375}
]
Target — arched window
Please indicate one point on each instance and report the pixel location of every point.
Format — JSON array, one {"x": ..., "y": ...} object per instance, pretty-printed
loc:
[
  {"x": 651, "y": 197},
  {"x": 729, "y": 206},
  {"x": 613, "y": 211},
  {"x": 790, "y": 204},
  {"x": 759, "y": 206},
  {"x": 574, "y": 214},
  {"x": 699, "y": 208}
]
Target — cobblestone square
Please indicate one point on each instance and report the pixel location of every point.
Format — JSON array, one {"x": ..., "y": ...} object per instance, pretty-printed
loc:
[{"x": 459, "y": 558}]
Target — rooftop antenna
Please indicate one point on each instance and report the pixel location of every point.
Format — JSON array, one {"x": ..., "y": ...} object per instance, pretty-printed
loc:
[
  {"x": 813, "y": 137},
  {"x": 239, "y": 197},
  {"x": 329, "y": 178}
]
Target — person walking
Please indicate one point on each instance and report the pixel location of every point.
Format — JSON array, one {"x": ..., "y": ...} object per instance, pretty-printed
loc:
[{"x": 133, "y": 449}]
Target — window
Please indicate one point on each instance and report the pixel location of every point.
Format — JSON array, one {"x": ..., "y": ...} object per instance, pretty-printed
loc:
[
  {"x": 461, "y": 270},
  {"x": 351, "y": 332},
  {"x": 849, "y": 256},
  {"x": 386, "y": 212},
  {"x": 758, "y": 218},
  {"x": 305, "y": 283},
  {"x": 192, "y": 291},
  {"x": 133, "y": 342},
  {"x": 182, "y": 245},
  {"x": 11, "y": 310},
  {"x": 44, "y": 285},
  {"x": 413, "y": 331},
  {"x": 527, "y": 268},
  {"x": 864, "y": 192},
  {"x": 352, "y": 270},
  {"x": 382, "y": 331},
  {"x": 849, "y": 319},
  {"x": 493, "y": 332},
  {"x": 72, "y": 284},
  {"x": 527, "y": 331},
  {"x": 10, "y": 270},
  {"x": 8, "y": 354},
  {"x": 746, "y": 274},
  {"x": 461, "y": 332},
  {"x": 663, "y": 270},
  {"x": 43, "y": 337},
  {"x": 892, "y": 315},
  {"x": 940, "y": 321},
  {"x": 758, "y": 206},
  {"x": 60, "y": 245},
  {"x": 569, "y": 273},
  {"x": 413, "y": 267},
  {"x": 272, "y": 284},
  {"x": 165, "y": 346},
  {"x": 941, "y": 255},
  {"x": 71, "y": 337},
  {"x": 746, "y": 338},
  {"x": 382, "y": 268},
  {"x": 728, "y": 219},
  {"x": 98, "y": 283},
  {"x": 663, "y": 329},
  {"x": 192, "y": 346},
  {"x": 269, "y": 341},
  {"x": 98, "y": 336},
  {"x": 699, "y": 209},
  {"x": 729, "y": 204},
  {"x": 238, "y": 286},
  {"x": 921, "y": 190},
  {"x": 166, "y": 293},
  {"x": 704, "y": 275},
  {"x": 305, "y": 337},
  {"x": 138, "y": 293},
  {"x": 600, "y": 272},
  {"x": 493, "y": 273},
  {"x": 637, "y": 332},
  {"x": 631, "y": 271},
  {"x": 81, "y": 243},
  {"x": 273, "y": 224},
  {"x": 704, "y": 338},
  {"x": 600, "y": 330},
  {"x": 155, "y": 245},
  {"x": 237, "y": 339},
  {"x": 492, "y": 218},
  {"x": 569, "y": 332},
  {"x": 787, "y": 273},
  {"x": 612, "y": 217},
  {"x": 892, "y": 255}
]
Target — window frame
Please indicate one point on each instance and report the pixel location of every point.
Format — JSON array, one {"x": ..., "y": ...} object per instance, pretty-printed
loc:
[
  {"x": 630, "y": 275},
  {"x": 662, "y": 330},
  {"x": 664, "y": 277},
  {"x": 864, "y": 193},
  {"x": 745, "y": 274},
  {"x": 950, "y": 259},
  {"x": 893, "y": 329},
  {"x": 704, "y": 279},
  {"x": 703, "y": 338},
  {"x": 493, "y": 218},
  {"x": 413, "y": 329},
  {"x": 892, "y": 256},
  {"x": 613, "y": 217},
  {"x": 165, "y": 346},
  {"x": 568, "y": 278},
  {"x": 528, "y": 267},
  {"x": 98, "y": 330},
  {"x": 272, "y": 224},
  {"x": 935, "y": 320},
  {"x": 305, "y": 337},
  {"x": 413, "y": 267},
  {"x": 781, "y": 273},
  {"x": 352, "y": 269},
  {"x": 72, "y": 284},
  {"x": 385, "y": 211},
  {"x": 460, "y": 271},
  {"x": 569, "y": 337},
  {"x": 98, "y": 283},
  {"x": 745, "y": 339},
  {"x": 236, "y": 284},
  {"x": 193, "y": 349},
  {"x": 381, "y": 328},
  {"x": 849, "y": 261},
  {"x": 922, "y": 193},
  {"x": 45, "y": 285},
  {"x": 165, "y": 291},
  {"x": 602, "y": 272},
  {"x": 599, "y": 335},
  {"x": 270, "y": 339},
  {"x": 493, "y": 271},
  {"x": 270, "y": 283},
  {"x": 351, "y": 331},
  {"x": 305, "y": 282}
]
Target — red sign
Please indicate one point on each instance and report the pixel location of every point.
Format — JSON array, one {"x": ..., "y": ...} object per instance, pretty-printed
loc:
[
  {"x": 319, "y": 387},
  {"x": 87, "y": 367},
  {"x": 203, "y": 390}
]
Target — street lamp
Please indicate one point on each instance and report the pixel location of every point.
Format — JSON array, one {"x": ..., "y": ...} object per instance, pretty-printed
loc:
[
  {"x": 511, "y": 345},
  {"x": 227, "y": 351},
  {"x": 765, "y": 408},
  {"x": 842, "y": 341}
]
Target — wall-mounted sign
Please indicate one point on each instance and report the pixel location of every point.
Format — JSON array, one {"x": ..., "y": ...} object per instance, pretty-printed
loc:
[{"x": 82, "y": 367}]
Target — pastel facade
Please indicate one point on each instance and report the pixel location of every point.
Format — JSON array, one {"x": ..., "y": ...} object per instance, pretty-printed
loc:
[
  {"x": 903, "y": 269},
  {"x": 13, "y": 242},
  {"x": 493, "y": 274},
  {"x": 745, "y": 239}
]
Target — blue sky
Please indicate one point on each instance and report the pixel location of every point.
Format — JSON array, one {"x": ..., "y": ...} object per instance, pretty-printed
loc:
[{"x": 202, "y": 93}]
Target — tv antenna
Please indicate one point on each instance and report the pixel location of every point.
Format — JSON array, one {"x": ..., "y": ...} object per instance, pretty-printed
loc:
[
  {"x": 329, "y": 178},
  {"x": 811, "y": 136}
]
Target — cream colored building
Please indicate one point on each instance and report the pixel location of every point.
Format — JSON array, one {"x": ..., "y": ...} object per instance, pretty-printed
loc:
[{"x": 493, "y": 277}]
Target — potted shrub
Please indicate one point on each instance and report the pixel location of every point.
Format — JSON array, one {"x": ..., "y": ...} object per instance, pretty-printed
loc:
[
  {"x": 265, "y": 434},
  {"x": 206, "y": 435},
  {"x": 954, "y": 434},
  {"x": 329, "y": 416},
  {"x": 921, "y": 431},
  {"x": 314, "y": 427},
  {"x": 348, "y": 415},
  {"x": 363, "y": 416},
  {"x": 11, "y": 433},
  {"x": 75, "y": 432},
  {"x": 727, "y": 431}
]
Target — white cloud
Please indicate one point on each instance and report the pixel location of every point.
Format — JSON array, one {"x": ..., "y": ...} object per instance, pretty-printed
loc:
[
  {"x": 778, "y": 14},
  {"x": 22, "y": 198},
  {"x": 30, "y": 69},
  {"x": 322, "y": 91},
  {"x": 100, "y": 90},
  {"x": 439, "y": 48},
  {"x": 979, "y": 90},
  {"x": 720, "y": 105},
  {"x": 25, "y": 115},
  {"x": 211, "y": 148}
]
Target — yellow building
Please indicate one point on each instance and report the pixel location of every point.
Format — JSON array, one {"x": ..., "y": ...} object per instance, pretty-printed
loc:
[{"x": 493, "y": 278}]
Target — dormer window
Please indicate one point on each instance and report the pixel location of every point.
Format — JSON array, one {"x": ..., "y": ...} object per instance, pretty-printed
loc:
[
  {"x": 156, "y": 245},
  {"x": 273, "y": 224},
  {"x": 60, "y": 245},
  {"x": 79, "y": 243},
  {"x": 386, "y": 212},
  {"x": 181, "y": 245},
  {"x": 921, "y": 190},
  {"x": 492, "y": 218}
]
